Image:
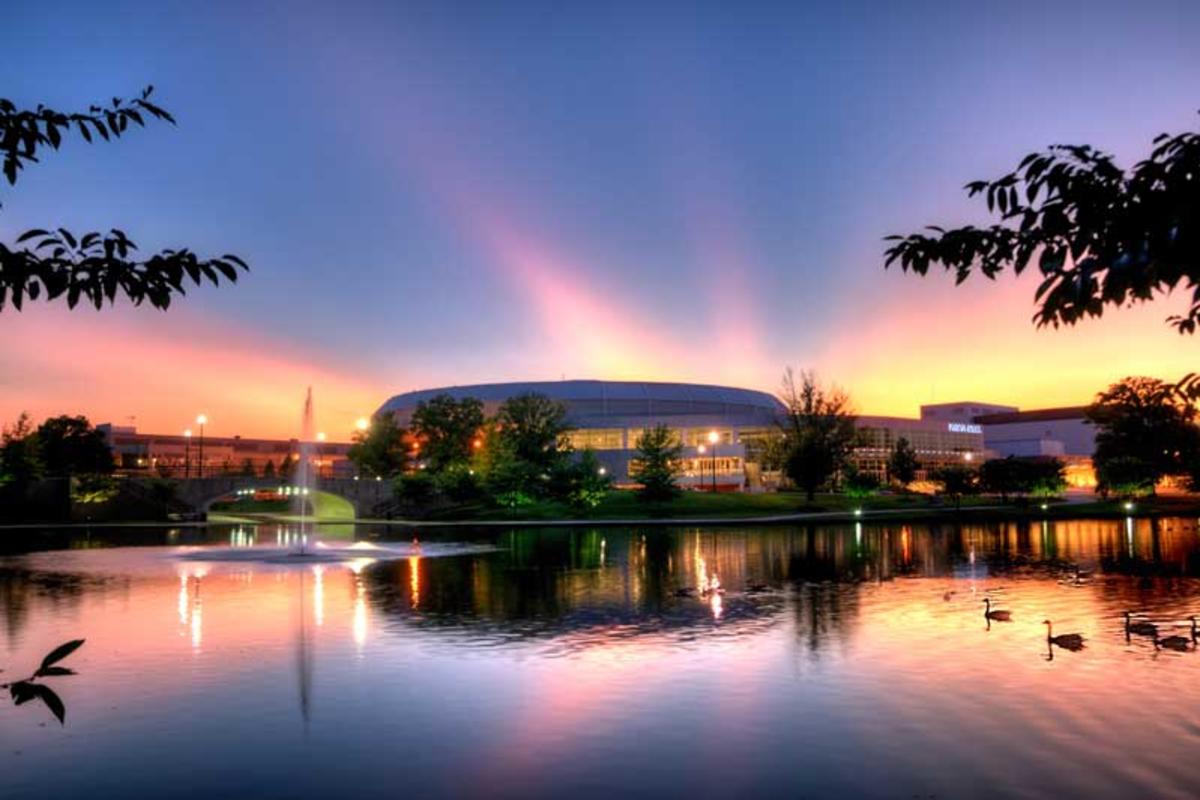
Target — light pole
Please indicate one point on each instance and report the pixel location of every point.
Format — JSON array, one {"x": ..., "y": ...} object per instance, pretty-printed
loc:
[
  {"x": 187, "y": 453},
  {"x": 713, "y": 438},
  {"x": 201, "y": 421},
  {"x": 320, "y": 439}
]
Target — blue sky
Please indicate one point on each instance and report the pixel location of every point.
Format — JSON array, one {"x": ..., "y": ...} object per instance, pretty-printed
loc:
[{"x": 461, "y": 192}]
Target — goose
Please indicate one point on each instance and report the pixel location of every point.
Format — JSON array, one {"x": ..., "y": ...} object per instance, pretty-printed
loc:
[
  {"x": 999, "y": 616},
  {"x": 1179, "y": 643},
  {"x": 1140, "y": 628},
  {"x": 1067, "y": 641}
]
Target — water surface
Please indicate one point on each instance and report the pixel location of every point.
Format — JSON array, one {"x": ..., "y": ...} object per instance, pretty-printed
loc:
[{"x": 838, "y": 661}]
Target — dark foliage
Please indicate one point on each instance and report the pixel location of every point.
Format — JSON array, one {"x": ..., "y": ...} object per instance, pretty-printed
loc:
[
  {"x": 656, "y": 467},
  {"x": 1100, "y": 236},
  {"x": 95, "y": 267},
  {"x": 31, "y": 688},
  {"x": 447, "y": 430},
  {"x": 818, "y": 429},
  {"x": 69, "y": 446},
  {"x": 903, "y": 463},
  {"x": 1149, "y": 428}
]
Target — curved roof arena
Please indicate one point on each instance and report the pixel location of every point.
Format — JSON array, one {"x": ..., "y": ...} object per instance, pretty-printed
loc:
[{"x": 617, "y": 404}]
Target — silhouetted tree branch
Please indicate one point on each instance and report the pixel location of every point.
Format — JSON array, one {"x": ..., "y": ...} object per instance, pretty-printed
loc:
[
  {"x": 1100, "y": 236},
  {"x": 95, "y": 267}
]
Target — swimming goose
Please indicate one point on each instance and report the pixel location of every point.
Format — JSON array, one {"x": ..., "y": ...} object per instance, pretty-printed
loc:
[
  {"x": 1140, "y": 628},
  {"x": 1179, "y": 643},
  {"x": 1067, "y": 641},
  {"x": 999, "y": 616}
]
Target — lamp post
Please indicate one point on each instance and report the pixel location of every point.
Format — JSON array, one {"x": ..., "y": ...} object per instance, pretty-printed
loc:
[
  {"x": 201, "y": 421},
  {"x": 187, "y": 453},
  {"x": 713, "y": 438},
  {"x": 320, "y": 439}
]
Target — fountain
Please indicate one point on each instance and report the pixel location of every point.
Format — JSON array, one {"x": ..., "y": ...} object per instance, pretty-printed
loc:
[{"x": 305, "y": 480}]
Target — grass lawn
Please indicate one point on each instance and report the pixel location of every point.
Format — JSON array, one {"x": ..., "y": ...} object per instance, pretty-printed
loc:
[{"x": 623, "y": 504}]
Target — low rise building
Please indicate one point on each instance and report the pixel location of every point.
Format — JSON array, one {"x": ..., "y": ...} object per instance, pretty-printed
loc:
[{"x": 179, "y": 456}]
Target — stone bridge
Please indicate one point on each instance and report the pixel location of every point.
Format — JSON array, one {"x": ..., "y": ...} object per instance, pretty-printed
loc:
[{"x": 365, "y": 495}]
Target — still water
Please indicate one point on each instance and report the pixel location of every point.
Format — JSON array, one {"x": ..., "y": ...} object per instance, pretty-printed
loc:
[{"x": 850, "y": 661}]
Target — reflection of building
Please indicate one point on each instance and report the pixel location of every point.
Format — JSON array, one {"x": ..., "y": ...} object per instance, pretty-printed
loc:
[
  {"x": 159, "y": 453},
  {"x": 1063, "y": 433},
  {"x": 712, "y": 422}
]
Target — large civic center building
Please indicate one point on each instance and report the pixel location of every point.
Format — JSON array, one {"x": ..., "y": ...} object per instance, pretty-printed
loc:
[{"x": 720, "y": 426}]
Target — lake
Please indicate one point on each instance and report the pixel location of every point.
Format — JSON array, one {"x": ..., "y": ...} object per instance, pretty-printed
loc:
[{"x": 834, "y": 661}]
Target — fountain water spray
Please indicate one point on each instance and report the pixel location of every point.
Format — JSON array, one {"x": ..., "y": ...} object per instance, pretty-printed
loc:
[{"x": 305, "y": 480}]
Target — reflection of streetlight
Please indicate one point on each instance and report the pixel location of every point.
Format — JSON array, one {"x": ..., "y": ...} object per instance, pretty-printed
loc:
[
  {"x": 713, "y": 438},
  {"x": 201, "y": 421},
  {"x": 187, "y": 453}
]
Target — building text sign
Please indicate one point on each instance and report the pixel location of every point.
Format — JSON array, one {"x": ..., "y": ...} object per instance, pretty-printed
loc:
[{"x": 963, "y": 427}]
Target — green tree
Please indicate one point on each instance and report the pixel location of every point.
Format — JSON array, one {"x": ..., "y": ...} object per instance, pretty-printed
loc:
[
  {"x": 447, "y": 430},
  {"x": 71, "y": 446},
  {"x": 380, "y": 450},
  {"x": 858, "y": 484},
  {"x": 269, "y": 469},
  {"x": 1126, "y": 476},
  {"x": 1002, "y": 476},
  {"x": 1100, "y": 236},
  {"x": 95, "y": 267},
  {"x": 20, "y": 464},
  {"x": 287, "y": 467},
  {"x": 903, "y": 463},
  {"x": 957, "y": 482},
  {"x": 656, "y": 467},
  {"x": 534, "y": 427},
  {"x": 1148, "y": 420},
  {"x": 248, "y": 470},
  {"x": 508, "y": 479},
  {"x": 583, "y": 482},
  {"x": 818, "y": 429}
]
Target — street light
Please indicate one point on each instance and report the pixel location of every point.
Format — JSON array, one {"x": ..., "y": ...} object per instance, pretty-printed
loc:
[
  {"x": 713, "y": 438},
  {"x": 362, "y": 424},
  {"x": 320, "y": 461},
  {"x": 187, "y": 453},
  {"x": 201, "y": 421}
]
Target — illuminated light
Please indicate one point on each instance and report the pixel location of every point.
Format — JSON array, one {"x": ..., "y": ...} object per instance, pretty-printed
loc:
[
  {"x": 477, "y": 444},
  {"x": 320, "y": 436},
  {"x": 362, "y": 423},
  {"x": 414, "y": 579},
  {"x": 202, "y": 419},
  {"x": 1045, "y": 506},
  {"x": 183, "y": 599},
  {"x": 602, "y": 471},
  {"x": 379, "y": 478},
  {"x": 701, "y": 449},
  {"x": 858, "y": 512},
  {"x": 319, "y": 594},
  {"x": 963, "y": 427},
  {"x": 1128, "y": 506},
  {"x": 713, "y": 437},
  {"x": 969, "y": 456},
  {"x": 187, "y": 432}
]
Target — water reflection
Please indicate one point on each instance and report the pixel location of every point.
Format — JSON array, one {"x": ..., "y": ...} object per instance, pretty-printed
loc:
[{"x": 864, "y": 646}]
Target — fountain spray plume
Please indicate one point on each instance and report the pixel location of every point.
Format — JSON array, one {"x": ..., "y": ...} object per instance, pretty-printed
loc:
[{"x": 305, "y": 480}]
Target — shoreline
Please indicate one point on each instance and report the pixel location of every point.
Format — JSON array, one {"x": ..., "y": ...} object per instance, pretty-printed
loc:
[{"x": 976, "y": 513}]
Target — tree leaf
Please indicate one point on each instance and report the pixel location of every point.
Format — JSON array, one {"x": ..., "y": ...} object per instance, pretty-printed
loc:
[
  {"x": 52, "y": 701},
  {"x": 61, "y": 652}
]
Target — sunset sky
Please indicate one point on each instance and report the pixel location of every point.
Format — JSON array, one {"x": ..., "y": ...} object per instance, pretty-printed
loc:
[{"x": 525, "y": 191}]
